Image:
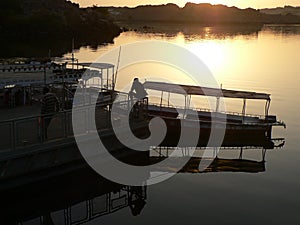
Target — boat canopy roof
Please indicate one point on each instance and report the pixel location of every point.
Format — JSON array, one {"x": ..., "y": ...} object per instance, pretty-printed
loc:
[
  {"x": 196, "y": 90},
  {"x": 96, "y": 65}
]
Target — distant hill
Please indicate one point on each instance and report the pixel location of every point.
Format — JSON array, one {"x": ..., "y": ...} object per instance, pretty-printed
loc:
[
  {"x": 282, "y": 11},
  {"x": 52, "y": 24},
  {"x": 198, "y": 13}
]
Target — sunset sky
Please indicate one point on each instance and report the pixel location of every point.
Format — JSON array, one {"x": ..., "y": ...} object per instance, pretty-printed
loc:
[{"x": 238, "y": 3}]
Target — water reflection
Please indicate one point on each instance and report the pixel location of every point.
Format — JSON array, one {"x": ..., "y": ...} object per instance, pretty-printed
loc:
[
  {"x": 220, "y": 165},
  {"x": 12, "y": 48},
  {"x": 83, "y": 196},
  {"x": 195, "y": 31},
  {"x": 285, "y": 30},
  {"x": 216, "y": 163},
  {"x": 74, "y": 198}
]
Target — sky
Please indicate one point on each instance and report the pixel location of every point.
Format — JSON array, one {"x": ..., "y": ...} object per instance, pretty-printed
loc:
[{"x": 257, "y": 4}]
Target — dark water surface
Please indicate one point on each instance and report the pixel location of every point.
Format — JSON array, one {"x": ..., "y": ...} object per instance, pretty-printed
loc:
[{"x": 266, "y": 61}]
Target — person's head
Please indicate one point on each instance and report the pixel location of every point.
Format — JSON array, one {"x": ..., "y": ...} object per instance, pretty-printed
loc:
[
  {"x": 45, "y": 90},
  {"x": 136, "y": 79}
]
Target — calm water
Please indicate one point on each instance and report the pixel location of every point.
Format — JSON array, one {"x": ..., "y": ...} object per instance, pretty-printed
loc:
[{"x": 265, "y": 61}]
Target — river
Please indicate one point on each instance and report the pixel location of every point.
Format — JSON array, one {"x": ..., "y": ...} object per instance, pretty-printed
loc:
[{"x": 266, "y": 60}]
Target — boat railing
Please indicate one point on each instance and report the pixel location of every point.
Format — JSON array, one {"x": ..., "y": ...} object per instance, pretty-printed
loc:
[
  {"x": 28, "y": 67},
  {"x": 29, "y": 131},
  {"x": 26, "y": 132},
  {"x": 40, "y": 80},
  {"x": 259, "y": 116}
]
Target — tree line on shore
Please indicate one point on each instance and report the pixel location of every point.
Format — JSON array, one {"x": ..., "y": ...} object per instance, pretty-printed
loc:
[
  {"x": 52, "y": 24},
  {"x": 202, "y": 13},
  {"x": 33, "y": 27}
]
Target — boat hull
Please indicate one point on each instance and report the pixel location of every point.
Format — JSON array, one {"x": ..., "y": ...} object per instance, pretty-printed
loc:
[{"x": 238, "y": 135}]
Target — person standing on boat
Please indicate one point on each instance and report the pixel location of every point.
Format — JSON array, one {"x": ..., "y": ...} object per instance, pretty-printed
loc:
[
  {"x": 50, "y": 105},
  {"x": 137, "y": 90}
]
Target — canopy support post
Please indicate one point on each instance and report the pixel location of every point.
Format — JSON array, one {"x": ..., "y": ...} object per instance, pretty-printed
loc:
[
  {"x": 189, "y": 101},
  {"x": 267, "y": 107},
  {"x": 113, "y": 79},
  {"x": 264, "y": 151},
  {"x": 241, "y": 153},
  {"x": 107, "y": 82},
  {"x": 185, "y": 105},
  {"x": 244, "y": 109},
  {"x": 161, "y": 98},
  {"x": 101, "y": 79},
  {"x": 217, "y": 104},
  {"x": 215, "y": 152}
]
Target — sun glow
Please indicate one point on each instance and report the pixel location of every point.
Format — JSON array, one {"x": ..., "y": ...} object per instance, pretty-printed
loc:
[{"x": 212, "y": 53}]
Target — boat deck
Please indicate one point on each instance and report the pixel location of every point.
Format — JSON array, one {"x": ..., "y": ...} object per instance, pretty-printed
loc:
[{"x": 205, "y": 115}]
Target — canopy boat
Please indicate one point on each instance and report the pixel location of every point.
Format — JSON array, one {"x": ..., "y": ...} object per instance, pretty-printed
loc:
[
  {"x": 22, "y": 83},
  {"x": 22, "y": 130},
  {"x": 240, "y": 128}
]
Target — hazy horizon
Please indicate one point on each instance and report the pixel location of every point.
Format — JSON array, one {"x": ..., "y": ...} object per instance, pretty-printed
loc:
[{"x": 257, "y": 4}]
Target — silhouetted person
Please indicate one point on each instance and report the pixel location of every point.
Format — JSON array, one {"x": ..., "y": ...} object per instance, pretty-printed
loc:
[
  {"x": 50, "y": 106},
  {"x": 137, "y": 90},
  {"x": 136, "y": 201}
]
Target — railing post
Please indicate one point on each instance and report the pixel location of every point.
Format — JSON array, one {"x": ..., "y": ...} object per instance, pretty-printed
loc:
[
  {"x": 108, "y": 123},
  {"x": 244, "y": 109},
  {"x": 13, "y": 135}
]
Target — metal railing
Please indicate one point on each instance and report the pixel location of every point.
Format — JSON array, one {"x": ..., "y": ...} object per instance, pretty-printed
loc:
[
  {"x": 33, "y": 131},
  {"x": 28, "y": 131},
  {"x": 260, "y": 116},
  {"x": 23, "y": 132}
]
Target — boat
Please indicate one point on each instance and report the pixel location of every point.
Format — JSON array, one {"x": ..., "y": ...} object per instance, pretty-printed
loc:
[
  {"x": 26, "y": 157},
  {"x": 21, "y": 83},
  {"x": 240, "y": 129}
]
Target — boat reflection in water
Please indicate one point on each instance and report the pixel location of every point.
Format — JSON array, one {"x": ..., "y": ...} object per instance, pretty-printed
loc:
[
  {"x": 215, "y": 163},
  {"x": 73, "y": 198},
  {"x": 83, "y": 196}
]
